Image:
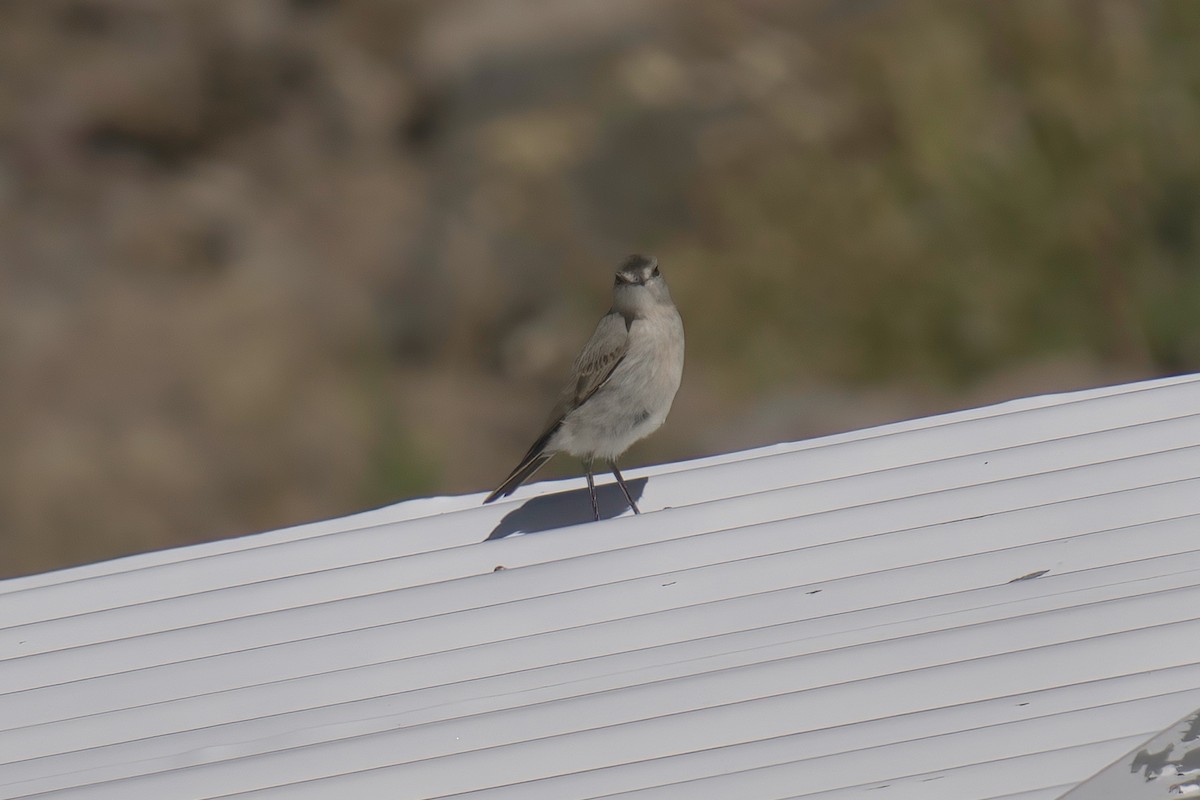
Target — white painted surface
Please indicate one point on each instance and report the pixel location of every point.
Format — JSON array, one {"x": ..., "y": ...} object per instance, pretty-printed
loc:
[{"x": 838, "y": 618}]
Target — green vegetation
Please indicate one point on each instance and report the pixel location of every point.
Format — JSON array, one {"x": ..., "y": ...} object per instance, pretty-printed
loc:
[{"x": 993, "y": 182}]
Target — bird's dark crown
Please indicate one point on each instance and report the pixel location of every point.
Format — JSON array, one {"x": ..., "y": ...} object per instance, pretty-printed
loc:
[{"x": 637, "y": 269}]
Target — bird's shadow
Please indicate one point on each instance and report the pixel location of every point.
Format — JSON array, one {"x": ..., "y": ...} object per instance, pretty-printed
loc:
[{"x": 561, "y": 509}]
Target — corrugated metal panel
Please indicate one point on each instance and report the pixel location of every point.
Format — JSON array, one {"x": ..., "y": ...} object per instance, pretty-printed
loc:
[
  {"x": 1164, "y": 768},
  {"x": 995, "y": 603}
]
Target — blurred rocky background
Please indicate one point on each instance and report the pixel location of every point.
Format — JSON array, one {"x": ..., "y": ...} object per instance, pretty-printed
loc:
[{"x": 268, "y": 261}]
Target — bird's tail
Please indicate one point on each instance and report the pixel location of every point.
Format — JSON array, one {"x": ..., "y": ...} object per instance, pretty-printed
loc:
[{"x": 522, "y": 473}]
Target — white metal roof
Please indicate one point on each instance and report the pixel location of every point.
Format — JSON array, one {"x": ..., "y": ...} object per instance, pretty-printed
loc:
[{"x": 992, "y": 603}]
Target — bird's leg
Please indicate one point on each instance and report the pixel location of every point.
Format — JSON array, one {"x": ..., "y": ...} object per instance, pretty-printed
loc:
[
  {"x": 624, "y": 489},
  {"x": 587, "y": 466}
]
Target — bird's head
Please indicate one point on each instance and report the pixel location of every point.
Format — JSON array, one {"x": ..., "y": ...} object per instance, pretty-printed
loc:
[{"x": 639, "y": 286}]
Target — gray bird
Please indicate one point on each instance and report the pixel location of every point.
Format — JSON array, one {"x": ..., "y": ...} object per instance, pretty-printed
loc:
[{"x": 622, "y": 383}]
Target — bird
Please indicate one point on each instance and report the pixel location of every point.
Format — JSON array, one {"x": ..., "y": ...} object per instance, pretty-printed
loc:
[{"x": 621, "y": 385}]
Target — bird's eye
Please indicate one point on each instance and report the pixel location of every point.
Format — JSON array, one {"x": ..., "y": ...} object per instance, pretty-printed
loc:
[
  {"x": 621, "y": 279},
  {"x": 654, "y": 274}
]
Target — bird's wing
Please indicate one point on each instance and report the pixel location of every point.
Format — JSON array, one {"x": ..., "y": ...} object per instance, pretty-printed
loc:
[
  {"x": 596, "y": 362},
  {"x": 591, "y": 370}
]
